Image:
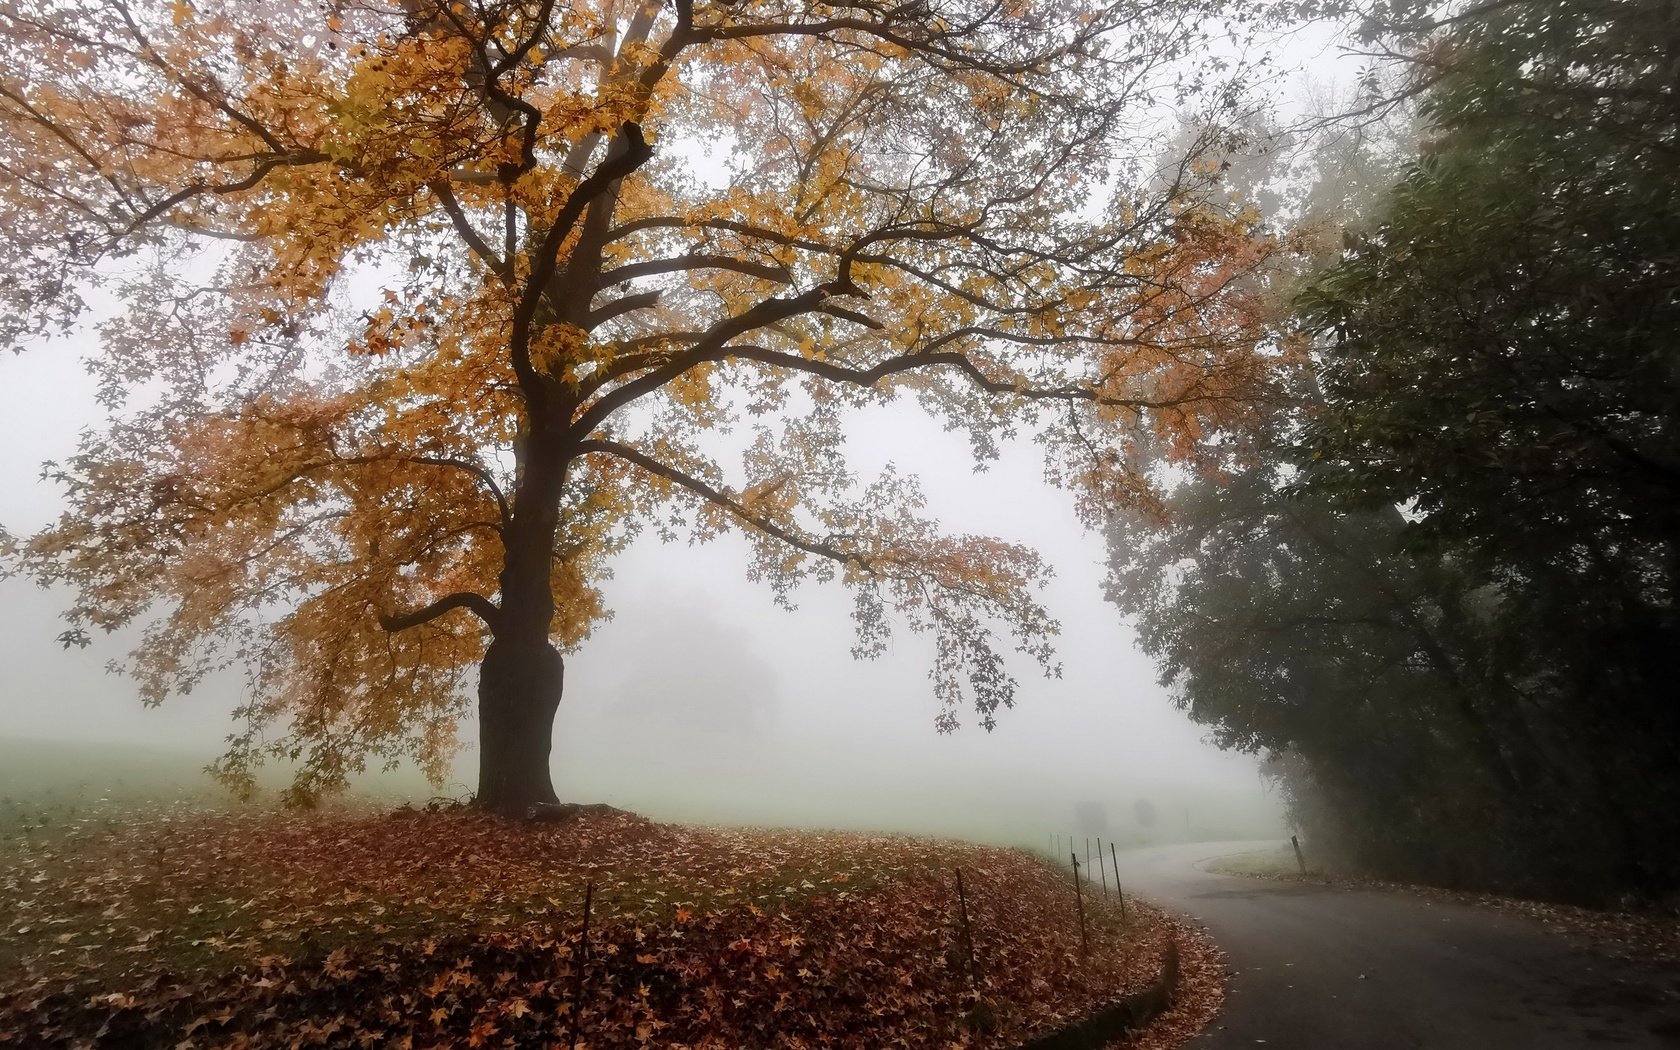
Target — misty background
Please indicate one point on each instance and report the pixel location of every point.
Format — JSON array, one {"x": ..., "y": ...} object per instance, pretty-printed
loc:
[{"x": 701, "y": 700}]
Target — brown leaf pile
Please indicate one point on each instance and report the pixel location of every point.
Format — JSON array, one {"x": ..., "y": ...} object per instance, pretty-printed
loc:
[
  {"x": 1198, "y": 998},
  {"x": 455, "y": 929}
]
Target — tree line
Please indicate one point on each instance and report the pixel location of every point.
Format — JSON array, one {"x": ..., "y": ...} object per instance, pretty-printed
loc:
[{"x": 1441, "y": 595}]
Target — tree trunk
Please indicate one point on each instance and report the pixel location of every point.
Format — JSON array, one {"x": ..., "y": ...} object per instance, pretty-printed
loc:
[
  {"x": 519, "y": 686},
  {"x": 520, "y": 680}
]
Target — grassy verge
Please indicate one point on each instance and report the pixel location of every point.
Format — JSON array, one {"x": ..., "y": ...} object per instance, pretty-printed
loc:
[
  {"x": 1276, "y": 863},
  {"x": 194, "y": 927}
]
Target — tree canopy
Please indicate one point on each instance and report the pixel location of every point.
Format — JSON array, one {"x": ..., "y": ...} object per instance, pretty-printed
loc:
[
  {"x": 1450, "y": 588},
  {"x": 411, "y": 315}
]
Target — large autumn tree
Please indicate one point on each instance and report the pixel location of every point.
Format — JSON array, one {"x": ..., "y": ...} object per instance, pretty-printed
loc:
[{"x": 411, "y": 314}]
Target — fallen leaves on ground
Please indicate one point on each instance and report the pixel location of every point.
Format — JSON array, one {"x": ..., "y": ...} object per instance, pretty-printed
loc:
[
  {"x": 1200, "y": 994},
  {"x": 419, "y": 929}
]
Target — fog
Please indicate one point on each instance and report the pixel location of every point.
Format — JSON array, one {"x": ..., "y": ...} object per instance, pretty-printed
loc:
[{"x": 701, "y": 700}]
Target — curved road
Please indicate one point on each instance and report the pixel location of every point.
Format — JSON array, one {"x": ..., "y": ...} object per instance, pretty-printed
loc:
[{"x": 1327, "y": 968}]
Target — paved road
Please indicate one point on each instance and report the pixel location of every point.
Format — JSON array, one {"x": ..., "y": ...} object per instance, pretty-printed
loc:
[{"x": 1325, "y": 968}]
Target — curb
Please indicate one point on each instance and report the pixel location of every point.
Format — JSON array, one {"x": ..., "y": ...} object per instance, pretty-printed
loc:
[{"x": 1120, "y": 1018}]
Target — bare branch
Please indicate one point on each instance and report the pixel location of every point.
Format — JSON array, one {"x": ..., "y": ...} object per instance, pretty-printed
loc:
[
  {"x": 464, "y": 227},
  {"x": 719, "y": 498}
]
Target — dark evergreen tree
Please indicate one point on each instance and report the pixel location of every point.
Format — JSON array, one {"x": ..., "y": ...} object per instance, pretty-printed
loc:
[{"x": 1450, "y": 586}]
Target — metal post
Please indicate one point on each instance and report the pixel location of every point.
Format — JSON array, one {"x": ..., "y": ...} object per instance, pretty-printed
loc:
[
  {"x": 583, "y": 960},
  {"x": 1079, "y": 898},
  {"x": 967, "y": 932},
  {"x": 1115, "y": 857}
]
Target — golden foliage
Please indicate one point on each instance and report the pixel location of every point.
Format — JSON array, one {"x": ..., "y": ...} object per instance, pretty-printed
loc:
[{"x": 423, "y": 301}]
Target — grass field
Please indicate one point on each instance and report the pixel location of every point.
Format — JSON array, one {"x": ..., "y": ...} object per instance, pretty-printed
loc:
[{"x": 1275, "y": 863}]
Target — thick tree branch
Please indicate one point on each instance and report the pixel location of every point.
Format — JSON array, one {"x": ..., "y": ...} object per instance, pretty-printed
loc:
[
  {"x": 619, "y": 307},
  {"x": 744, "y": 229},
  {"x": 682, "y": 263},
  {"x": 860, "y": 319},
  {"x": 464, "y": 228},
  {"x": 257, "y": 174},
  {"x": 545, "y": 261},
  {"x": 918, "y": 361},
  {"x": 636, "y": 153},
  {"x": 475, "y": 603},
  {"x": 912, "y": 362},
  {"x": 765, "y": 312}
]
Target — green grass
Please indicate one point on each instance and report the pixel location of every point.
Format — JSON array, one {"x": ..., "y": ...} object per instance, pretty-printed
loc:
[{"x": 1276, "y": 863}]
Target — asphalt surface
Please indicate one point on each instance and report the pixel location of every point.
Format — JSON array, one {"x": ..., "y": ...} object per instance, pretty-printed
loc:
[{"x": 1324, "y": 968}]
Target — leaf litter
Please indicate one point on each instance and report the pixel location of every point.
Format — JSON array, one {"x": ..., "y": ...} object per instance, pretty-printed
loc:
[{"x": 417, "y": 929}]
